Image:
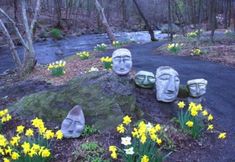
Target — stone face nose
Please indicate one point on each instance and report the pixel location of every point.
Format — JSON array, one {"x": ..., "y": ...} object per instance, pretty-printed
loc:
[
  {"x": 170, "y": 85},
  {"x": 145, "y": 81}
]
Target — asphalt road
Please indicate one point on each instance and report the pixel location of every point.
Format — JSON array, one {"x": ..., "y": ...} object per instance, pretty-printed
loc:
[{"x": 220, "y": 96}]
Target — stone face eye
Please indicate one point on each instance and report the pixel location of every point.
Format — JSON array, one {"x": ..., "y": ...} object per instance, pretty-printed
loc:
[
  {"x": 164, "y": 77},
  {"x": 67, "y": 122},
  {"x": 177, "y": 79},
  {"x": 140, "y": 77}
]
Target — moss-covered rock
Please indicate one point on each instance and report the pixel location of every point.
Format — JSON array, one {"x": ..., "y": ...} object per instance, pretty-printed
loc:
[{"x": 105, "y": 98}]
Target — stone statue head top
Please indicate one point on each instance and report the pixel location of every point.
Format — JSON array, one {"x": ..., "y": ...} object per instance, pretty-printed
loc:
[
  {"x": 167, "y": 84},
  {"x": 197, "y": 87},
  {"x": 74, "y": 123},
  {"x": 145, "y": 79},
  {"x": 122, "y": 61}
]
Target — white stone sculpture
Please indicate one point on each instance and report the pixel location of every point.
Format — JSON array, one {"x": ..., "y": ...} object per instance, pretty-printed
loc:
[
  {"x": 73, "y": 125},
  {"x": 122, "y": 61},
  {"x": 145, "y": 79},
  {"x": 167, "y": 84},
  {"x": 197, "y": 87}
]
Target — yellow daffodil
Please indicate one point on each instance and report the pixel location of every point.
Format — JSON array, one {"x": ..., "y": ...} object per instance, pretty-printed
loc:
[
  {"x": 36, "y": 147},
  {"x": 32, "y": 152},
  {"x": 114, "y": 155},
  {"x": 158, "y": 127},
  {"x": 59, "y": 135},
  {"x": 191, "y": 105},
  {"x": 145, "y": 158},
  {"x": 210, "y": 127},
  {"x": 3, "y": 141},
  {"x": 159, "y": 141},
  {"x": 189, "y": 123},
  {"x": 210, "y": 118},
  {"x": 15, "y": 155},
  {"x": 222, "y": 135},
  {"x": 120, "y": 128},
  {"x": 194, "y": 112},
  {"x": 204, "y": 112},
  {"x": 45, "y": 153},
  {"x": 143, "y": 138},
  {"x": 8, "y": 150},
  {"x": 15, "y": 140},
  {"x": 29, "y": 132},
  {"x": 126, "y": 120},
  {"x": 26, "y": 147},
  {"x": 135, "y": 133},
  {"x": 6, "y": 160},
  {"x": 20, "y": 129},
  {"x": 48, "y": 134},
  {"x": 112, "y": 148},
  {"x": 181, "y": 104}
]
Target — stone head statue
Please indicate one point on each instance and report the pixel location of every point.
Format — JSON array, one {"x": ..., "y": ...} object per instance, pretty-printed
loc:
[
  {"x": 167, "y": 84},
  {"x": 197, "y": 87},
  {"x": 145, "y": 79},
  {"x": 74, "y": 123},
  {"x": 122, "y": 61}
]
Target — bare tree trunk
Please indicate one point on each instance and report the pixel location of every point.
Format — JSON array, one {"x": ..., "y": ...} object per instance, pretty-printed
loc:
[
  {"x": 212, "y": 19},
  {"x": 11, "y": 46},
  {"x": 29, "y": 55},
  {"x": 150, "y": 30},
  {"x": 170, "y": 20},
  {"x": 233, "y": 14},
  {"x": 104, "y": 21}
]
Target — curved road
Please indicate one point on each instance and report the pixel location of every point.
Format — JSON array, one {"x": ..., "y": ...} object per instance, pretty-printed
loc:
[{"x": 220, "y": 97}]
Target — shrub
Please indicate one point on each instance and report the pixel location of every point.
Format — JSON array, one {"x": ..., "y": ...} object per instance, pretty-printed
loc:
[
  {"x": 83, "y": 55},
  {"x": 89, "y": 130},
  {"x": 56, "y": 33},
  {"x": 101, "y": 47},
  {"x": 57, "y": 68},
  {"x": 107, "y": 62},
  {"x": 90, "y": 151}
]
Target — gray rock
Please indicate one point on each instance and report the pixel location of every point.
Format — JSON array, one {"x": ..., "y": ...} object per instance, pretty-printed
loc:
[{"x": 105, "y": 98}]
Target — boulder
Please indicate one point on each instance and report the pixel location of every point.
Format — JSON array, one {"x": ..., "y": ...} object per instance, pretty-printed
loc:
[{"x": 104, "y": 96}]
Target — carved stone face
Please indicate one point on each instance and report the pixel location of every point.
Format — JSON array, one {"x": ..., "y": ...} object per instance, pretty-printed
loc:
[
  {"x": 145, "y": 79},
  {"x": 167, "y": 84},
  {"x": 197, "y": 87},
  {"x": 73, "y": 125},
  {"x": 122, "y": 61}
]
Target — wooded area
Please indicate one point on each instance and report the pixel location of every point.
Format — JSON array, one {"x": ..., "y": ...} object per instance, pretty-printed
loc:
[{"x": 97, "y": 16}]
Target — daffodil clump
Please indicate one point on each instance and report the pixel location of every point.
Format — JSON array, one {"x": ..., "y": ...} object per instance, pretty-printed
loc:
[
  {"x": 57, "y": 68},
  {"x": 195, "y": 119},
  {"x": 117, "y": 44},
  {"x": 101, "y": 47},
  {"x": 192, "y": 34},
  {"x": 174, "y": 47},
  {"x": 107, "y": 62},
  {"x": 29, "y": 145},
  {"x": 140, "y": 143},
  {"x": 4, "y": 117},
  {"x": 83, "y": 55},
  {"x": 196, "y": 52}
]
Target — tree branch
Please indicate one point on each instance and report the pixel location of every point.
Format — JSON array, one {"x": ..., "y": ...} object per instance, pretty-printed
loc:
[
  {"x": 11, "y": 45},
  {"x": 15, "y": 27},
  {"x": 36, "y": 14}
]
